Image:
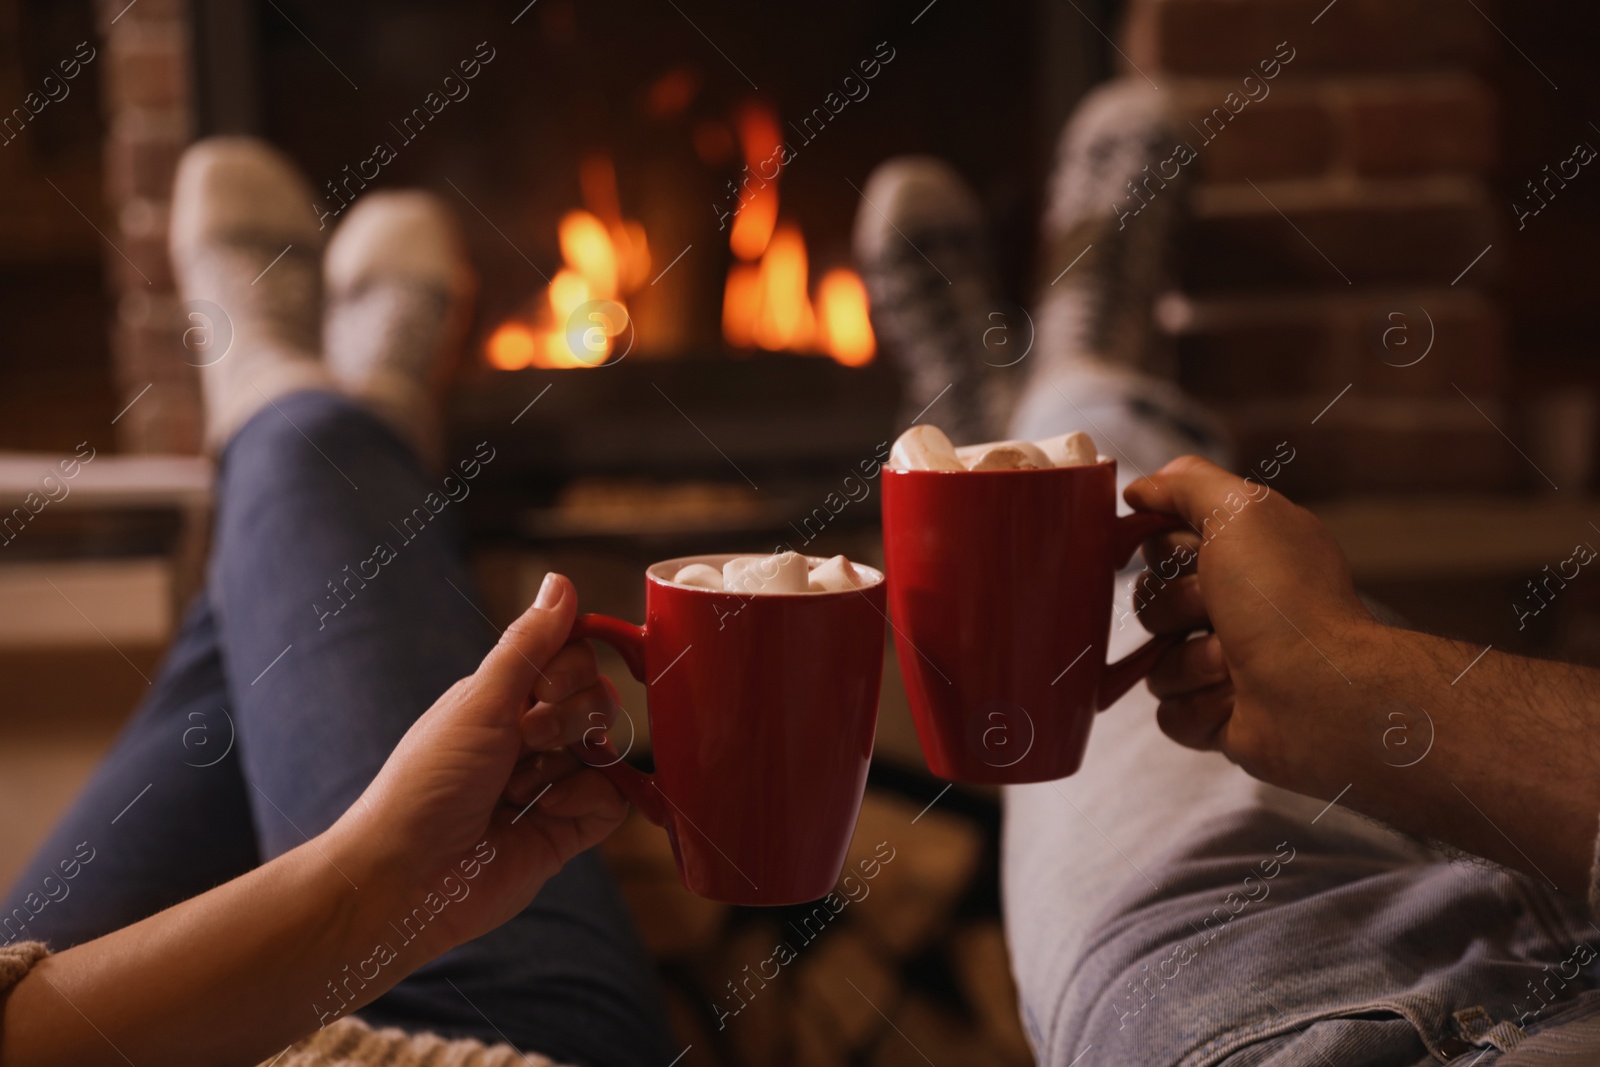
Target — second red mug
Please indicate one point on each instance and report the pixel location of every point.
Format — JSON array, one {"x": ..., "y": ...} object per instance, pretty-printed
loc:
[
  {"x": 762, "y": 711},
  {"x": 1000, "y": 588}
]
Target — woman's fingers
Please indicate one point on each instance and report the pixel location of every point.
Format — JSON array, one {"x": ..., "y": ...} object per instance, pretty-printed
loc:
[
  {"x": 517, "y": 662},
  {"x": 536, "y": 771},
  {"x": 551, "y": 725},
  {"x": 569, "y": 671},
  {"x": 584, "y": 794},
  {"x": 1192, "y": 666}
]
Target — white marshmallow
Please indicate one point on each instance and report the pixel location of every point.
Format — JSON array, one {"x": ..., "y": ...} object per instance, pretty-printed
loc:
[
  {"x": 1003, "y": 456},
  {"x": 836, "y": 575},
  {"x": 924, "y": 448},
  {"x": 785, "y": 572},
  {"x": 1073, "y": 449},
  {"x": 700, "y": 575}
]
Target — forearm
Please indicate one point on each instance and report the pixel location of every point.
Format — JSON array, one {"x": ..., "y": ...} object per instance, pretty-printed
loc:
[
  {"x": 1511, "y": 770},
  {"x": 229, "y": 977}
]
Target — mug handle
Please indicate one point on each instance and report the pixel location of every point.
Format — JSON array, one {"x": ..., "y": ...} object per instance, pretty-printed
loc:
[
  {"x": 1119, "y": 677},
  {"x": 638, "y": 787}
]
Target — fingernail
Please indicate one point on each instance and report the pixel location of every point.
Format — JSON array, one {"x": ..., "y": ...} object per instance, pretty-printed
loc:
[
  {"x": 1213, "y": 655},
  {"x": 551, "y": 590}
]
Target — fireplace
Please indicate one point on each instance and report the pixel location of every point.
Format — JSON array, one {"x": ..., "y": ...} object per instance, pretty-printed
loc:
[{"x": 658, "y": 197}]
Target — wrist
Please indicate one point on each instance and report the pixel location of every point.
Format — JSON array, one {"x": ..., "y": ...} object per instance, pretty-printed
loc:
[
  {"x": 408, "y": 899},
  {"x": 377, "y": 939},
  {"x": 1325, "y": 696}
]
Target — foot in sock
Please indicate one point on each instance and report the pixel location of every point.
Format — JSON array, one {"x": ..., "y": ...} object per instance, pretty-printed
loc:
[
  {"x": 1109, "y": 229},
  {"x": 244, "y": 238},
  {"x": 921, "y": 245},
  {"x": 399, "y": 303}
]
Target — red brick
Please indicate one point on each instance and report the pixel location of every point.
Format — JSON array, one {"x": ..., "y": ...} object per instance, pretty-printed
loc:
[
  {"x": 1330, "y": 235},
  {"x": 1253, "y": 358},
  {"x": 1291, "y": 347},
  {"x": 1415, "y": 125},
  {"x": 1286, "y": 133},
  {"x": 141, "y": 165},
  {"x": 1230, "y": 37},
  {"x": 147, "y": 66},
  {"x": 144, "y": 356},
  {"x": 142, "y": 262},
  {"x": 1363, "y": 445},
  {"x": 168, "y": 418},
  {"x": 140, "y": 257},
  {"x": 128, "y": 15},
  {"x": 1468, "y": 347}
]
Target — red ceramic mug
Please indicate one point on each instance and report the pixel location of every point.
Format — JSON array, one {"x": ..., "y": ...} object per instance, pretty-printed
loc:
[
  {"x": 762, "y": 711},
  {"x": 1000, "y": 587}
]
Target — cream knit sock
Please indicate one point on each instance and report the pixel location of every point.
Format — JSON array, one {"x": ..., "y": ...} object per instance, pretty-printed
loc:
[
  {"x": 400, "y": 292},
  {"x": 247, "y": 253}
]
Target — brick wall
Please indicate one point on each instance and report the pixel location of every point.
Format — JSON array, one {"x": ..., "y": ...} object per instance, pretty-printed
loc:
[
  {"x": 1339, "y": 203},
  {"x": 149, "y": 116}
]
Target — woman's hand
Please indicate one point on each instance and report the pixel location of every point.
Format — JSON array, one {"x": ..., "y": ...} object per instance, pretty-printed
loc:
[
  {"x": 478, "y": 805},
  {"x": 454, "y": 836}
]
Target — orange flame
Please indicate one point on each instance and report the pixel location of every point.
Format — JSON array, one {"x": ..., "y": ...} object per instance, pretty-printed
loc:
[
  {"x": 785, "y": 320},
  {"x": 605, "y": 257},
  {"x": 844, "y": 328},
  {"x": 766, "y": 303},
  {"x": 512, "y": 346},
  {"x": 761, "y": 140},
  {"x": 741, "y": 304}
]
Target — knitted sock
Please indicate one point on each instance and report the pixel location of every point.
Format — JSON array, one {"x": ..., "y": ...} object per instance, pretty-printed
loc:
[
  {"x": 921, "y": 245},
  {"x": 247, "y": 253},
  {"x": 1115, "y": 198},
  {"x": 400, "y": 293}
]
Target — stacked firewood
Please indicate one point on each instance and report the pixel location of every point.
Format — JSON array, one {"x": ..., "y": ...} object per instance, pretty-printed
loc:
[{"x": 905, "y": 964}]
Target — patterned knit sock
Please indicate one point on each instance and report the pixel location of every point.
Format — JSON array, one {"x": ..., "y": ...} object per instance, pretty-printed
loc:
[
  {"x": 400, "y": 292},
  {"x": 247, "y": 253},
  {"x": 921, "y": 244},
  {"x": 1115, "y": 198}
]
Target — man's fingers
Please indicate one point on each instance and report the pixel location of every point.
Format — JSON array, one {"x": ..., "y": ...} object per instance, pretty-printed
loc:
[
  {"x": 1169, "y": 607},
  {"x": 1192, "y": 666},
  {"x": 1195, "y": 720},
  {"x": 514, "y": 664},
  {"x": 1174, "y": 553},
  {"x": 1190, "y": 487}
]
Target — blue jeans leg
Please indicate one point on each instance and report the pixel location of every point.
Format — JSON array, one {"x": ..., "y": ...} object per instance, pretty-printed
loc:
[
  {"x": 339, "y": 608},
  {"x": 163, "y": 818}
]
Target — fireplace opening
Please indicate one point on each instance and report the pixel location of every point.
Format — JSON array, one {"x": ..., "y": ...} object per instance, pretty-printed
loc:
[{"x": 659, "y": 201}]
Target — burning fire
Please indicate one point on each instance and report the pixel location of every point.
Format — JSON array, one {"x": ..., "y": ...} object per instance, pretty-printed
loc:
[
  {"x": 605, "y": 257},
  {"x": 766, "y": 303}
]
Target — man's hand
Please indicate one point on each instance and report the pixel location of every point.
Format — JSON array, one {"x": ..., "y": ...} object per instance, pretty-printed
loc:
[
  {"x": 1269, "y": 687},
  {"x": 1297, "y": 681}
]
